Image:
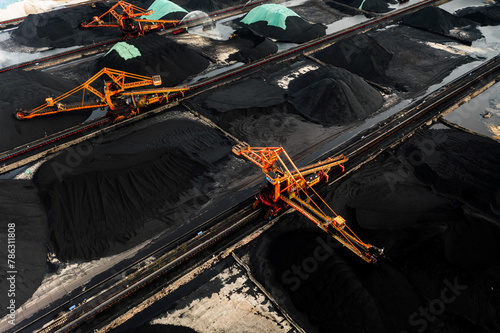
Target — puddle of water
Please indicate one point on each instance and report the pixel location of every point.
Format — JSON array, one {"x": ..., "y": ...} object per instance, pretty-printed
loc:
[
  {"x": 282, "y": 46},
  {"x": 294, "y": 3},
  {"x": 481, "y": 113},
  {"x": 213, "y": 73},
  {"x": 344, "y": 23},
  {"x": 97, "y": 113},
  {"x": 400, "y": 5},
  {"x": 470, "y": 115},
  {"x": 13, "y": 58},
  {"x": 455, "y": 5}
]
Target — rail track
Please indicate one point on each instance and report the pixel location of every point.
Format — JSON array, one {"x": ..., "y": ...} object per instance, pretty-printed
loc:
[
  {"x": 363, "y": 147},
  {"x": 218, "y": 80},
  {"x": 164, "y": 258}
]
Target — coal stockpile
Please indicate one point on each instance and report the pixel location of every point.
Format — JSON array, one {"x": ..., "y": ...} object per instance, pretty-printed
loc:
[
  {"x": 62, "y": 28},
  {"x": 154, "y": 55},
  {"x": 333, "y": 96},
  {"x": 297, "y": 30},
  {"x": 489, "y": 15},
  {"x": 20, "y": 207},
  {"x": 375, "y": 6},
  {"x": 440, "y": 21},
  {"x": 435, "y": 213},
  {"x": 407, "y": 66},
  {"x": 26, "y": 90},
  {"x": 361, "y": 55},
  {"x": 244, "y": 98},
  {"x": 252, "y": 47},
  {"x": 281, "y": 23},
  {"x": 99, "y": 196}
]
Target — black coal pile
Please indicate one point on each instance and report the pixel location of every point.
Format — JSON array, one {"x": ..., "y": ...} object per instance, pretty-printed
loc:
[
  {"x": 102, "y": 194},
  {"x": 438, "y": 20},
  {"x": 333, "y": 96},
  {"x": 22, "y": 213},
  {"x": 435, "y": 212},
  {"x": 156, "y": 55},
  {"x": 407, "y": 66},
  {"x": 26, "y": 90},
  {"x": 361, "y": 55},
  {"x": 245, "y": 98},
  {"x": 280, "y": 23},
  {"x": 253, "y": 47},
  {"x": 375, "y": 6},
  {"x": 62, "y": 28},
  {"x": 297, "y": 30},
  {"x": 487, "y": 15}
]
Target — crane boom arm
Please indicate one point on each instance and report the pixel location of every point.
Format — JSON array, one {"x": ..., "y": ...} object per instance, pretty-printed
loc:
[
  {"x": 121, "y": 84},
  {"x": 128, "y": 18},
  {"x": 289, "y": 184}
]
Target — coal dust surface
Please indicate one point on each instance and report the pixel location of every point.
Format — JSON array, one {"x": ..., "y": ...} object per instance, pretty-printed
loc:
[
  {"x": 22, "y": 215},
  {"x": 297, "y": 30},
  {"x": 436, "y": 213},
  {"x": 100, "y": 194},
  {"x": 438, "y": 20},
  {"x": 156, "y": 55},
  {"x": 245, "y": 94},
  {"x": 251, "y": 46},
  {"x": 333, "y": 96},
  {"x": 360, "y": 54},
  {"x": 62, "y": 28},
  {"x": 407, "y": 66},
  {"x": 485, "y": 15},
  {"x": 26, "y": 90}
]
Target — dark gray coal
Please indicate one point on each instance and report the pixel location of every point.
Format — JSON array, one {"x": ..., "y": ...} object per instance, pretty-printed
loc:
[
  {"x": 435, "y": 213},
  {"x": 487, "y": 15},
  {"x": 26, "y": 90},
  {"x": 173, "y": 61},
  {"x": 243, "y": 95},
  {"x": 407, "y": 66},
  {"x": 361, "y": 55},
  {"x": 297, "y": 30},
  {"x": 252, "y": 47},
  {"x": 20, "y": 205},
  {"x": 104, "y": 196},
  {"x": 440, "y": 21},
  {"x": 333, "y": 96},
  {"x": 62, "y": 28}
]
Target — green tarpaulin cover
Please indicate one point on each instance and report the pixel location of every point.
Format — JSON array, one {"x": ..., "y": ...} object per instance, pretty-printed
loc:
[
  {"x": 273, "y": 14},
  {"x": 126, "y": 51},
  {"x": 162, "y": 8}
]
